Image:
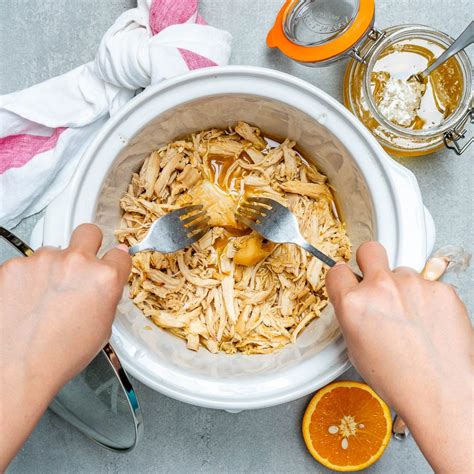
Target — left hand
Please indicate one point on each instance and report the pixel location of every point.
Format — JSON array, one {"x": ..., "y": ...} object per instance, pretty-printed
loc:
[{"x": 57, "y": 309}]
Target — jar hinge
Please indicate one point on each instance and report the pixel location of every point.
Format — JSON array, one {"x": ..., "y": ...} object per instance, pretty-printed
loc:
[
  {"x": 457, "y": 133},
  {"x": 374, "y": 35}
]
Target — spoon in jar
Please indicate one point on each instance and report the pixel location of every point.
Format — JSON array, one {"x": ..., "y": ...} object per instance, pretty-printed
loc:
[{"x": 463, "y": 41}]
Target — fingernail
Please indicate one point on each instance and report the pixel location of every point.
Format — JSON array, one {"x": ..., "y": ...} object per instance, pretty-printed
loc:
[
  {"x": 341, "y": 262},
  {"x": 122, "y": 247}
]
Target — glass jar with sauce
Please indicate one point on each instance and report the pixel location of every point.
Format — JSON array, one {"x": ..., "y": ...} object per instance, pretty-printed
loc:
[{"x": 407, "y": 119}]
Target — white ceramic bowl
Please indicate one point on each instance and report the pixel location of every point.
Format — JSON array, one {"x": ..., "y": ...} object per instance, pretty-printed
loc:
[{"x": 379, "y": 199}]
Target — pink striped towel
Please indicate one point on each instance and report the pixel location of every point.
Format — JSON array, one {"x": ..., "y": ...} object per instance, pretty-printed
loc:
[{"x": 45, "y": 129}]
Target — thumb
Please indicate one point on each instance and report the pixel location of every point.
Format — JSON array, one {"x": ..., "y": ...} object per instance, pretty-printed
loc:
[
  {"x": 339, "y": 280},
  {"x": 119, "y": 258}
]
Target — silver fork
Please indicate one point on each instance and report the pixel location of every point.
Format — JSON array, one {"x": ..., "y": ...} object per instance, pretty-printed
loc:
[
  {"x": 174, "y": 231},
  {"x": 278, "y": 224}
]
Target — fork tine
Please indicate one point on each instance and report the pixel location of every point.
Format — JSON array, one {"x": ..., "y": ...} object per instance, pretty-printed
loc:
[
  {"x": 195, "y": 237},
  {"x": 262, "y": 210},
  {"x": 250, "y": 214},
  {"x": 186, "y": 210},
  {"x": 197, "y": 223},
  {"x": 245, "y": 220},
  {"x": 261, "y": 200},
  {"x": 193, "y": 217}
]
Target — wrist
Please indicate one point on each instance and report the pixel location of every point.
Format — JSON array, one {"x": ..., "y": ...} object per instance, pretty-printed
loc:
[
  {"x": 23, "y": 400},
  {"x": 25, "y": 388},
  {"x": 440, "y": 424}
]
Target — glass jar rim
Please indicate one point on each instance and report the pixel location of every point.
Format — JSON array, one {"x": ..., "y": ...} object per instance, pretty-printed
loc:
[
  {"x": 425, "y": 32},
  {"x": 294, "y": 10}
]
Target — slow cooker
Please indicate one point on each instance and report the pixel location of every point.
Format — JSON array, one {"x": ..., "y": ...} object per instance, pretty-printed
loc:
[{"x": 379, "y": 199}]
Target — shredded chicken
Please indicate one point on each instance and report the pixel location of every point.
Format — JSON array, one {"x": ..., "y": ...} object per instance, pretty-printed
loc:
[{"x": 232, "y": 291}]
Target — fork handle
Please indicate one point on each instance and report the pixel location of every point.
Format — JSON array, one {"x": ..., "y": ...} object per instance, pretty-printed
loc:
[
  {"x": 318, "y": 254},
  {"x": 323, "y": 257},
  {"x": 463, "y": 41}
]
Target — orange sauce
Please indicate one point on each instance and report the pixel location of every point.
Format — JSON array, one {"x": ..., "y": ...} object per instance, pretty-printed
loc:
[
  {"x": 220, "y": 243},
  {"x": 219, "y": 166}
]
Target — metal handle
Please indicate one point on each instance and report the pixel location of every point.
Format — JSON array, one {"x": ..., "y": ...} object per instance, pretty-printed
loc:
[
  {"x": 463, "y": 41},
  {"x": 318, "y": 254},
  {"x": 16, "y": 242},
  {"x": 323, "y": 257},
  {"x": 375, "y": 36},
  {"x": 457, "y": 134}
]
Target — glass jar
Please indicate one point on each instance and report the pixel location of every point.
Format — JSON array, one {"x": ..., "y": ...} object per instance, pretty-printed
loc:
[
  {"x": 398, "y": 140},
  {"x": 319, "y": 32}
]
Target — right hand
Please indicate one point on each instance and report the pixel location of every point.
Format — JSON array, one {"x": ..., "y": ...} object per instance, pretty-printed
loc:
[{"x": 412, "y": 341}]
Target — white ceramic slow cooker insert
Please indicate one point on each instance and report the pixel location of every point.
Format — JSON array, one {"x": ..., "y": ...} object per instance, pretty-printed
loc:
[{"x": 379, "y": 200}]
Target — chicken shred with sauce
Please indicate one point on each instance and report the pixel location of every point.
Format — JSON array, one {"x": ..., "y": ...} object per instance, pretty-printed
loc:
[{"x": 232, "y": 291}]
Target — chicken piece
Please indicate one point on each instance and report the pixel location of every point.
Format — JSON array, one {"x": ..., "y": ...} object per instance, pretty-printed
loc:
[
  {"x": 210, "y": 320},
  {"x": 286, "y": 302},
  {"x": 255, "y": 155},
  {"x": 250, "y": 134},
  {"x": 149, "y": 173},
  {"x": 220, "y": 313},
  {"x": 167, "y": 320},
  {"x": 290, "y": 167},
  {"x": 192, "y": 342},
  {"x": 255, "y": 181},
  {"x": 253, "y": 297},
  {"x": 211, "y": 345},
  {"x": 165, "y": 175},
  {"x": 314, "y": 175},
  {"x": 157, "y": 276},
  {"x": 224, "y": 148},
  {"x": 313, "y": 273},
  {"x": 312, "y": 190},
  {"x": 192, "y": 277},
  {"x": 228, "y": 296},
  {"x": 154, "y": 289},
  {"x": 198, "y": 327},
  {"x": 189, "y": 176}
]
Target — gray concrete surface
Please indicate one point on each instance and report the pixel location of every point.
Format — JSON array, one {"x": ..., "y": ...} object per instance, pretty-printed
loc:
[{"x": 39, "y": 39}]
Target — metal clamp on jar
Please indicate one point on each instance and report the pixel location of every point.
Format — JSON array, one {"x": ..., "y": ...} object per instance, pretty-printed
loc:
[{"x": 319, "y": 32}]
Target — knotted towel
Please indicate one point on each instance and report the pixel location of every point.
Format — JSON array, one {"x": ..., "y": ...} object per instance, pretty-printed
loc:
[{"x": 45, "y": 129}]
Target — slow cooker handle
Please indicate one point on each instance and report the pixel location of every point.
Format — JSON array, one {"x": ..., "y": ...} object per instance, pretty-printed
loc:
[
  {"x": 430, "y": 232},
  {"x": 416, "y": 229}
]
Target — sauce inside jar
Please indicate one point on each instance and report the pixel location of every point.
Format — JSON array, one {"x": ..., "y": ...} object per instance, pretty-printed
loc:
[
  {"x": 437, "y": 98},
  {"x": 400, "y": 52}
]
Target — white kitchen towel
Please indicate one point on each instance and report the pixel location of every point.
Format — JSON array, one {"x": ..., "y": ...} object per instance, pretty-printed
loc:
[{"x": 45, "y": 129}]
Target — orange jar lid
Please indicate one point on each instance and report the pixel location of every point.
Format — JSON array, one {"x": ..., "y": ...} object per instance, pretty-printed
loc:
[{"x": 318, "y": 31}]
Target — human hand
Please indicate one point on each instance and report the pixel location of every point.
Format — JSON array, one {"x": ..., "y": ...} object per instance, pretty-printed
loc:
[
  {"x": 412, "y": 341},
  {"x": 57, "y": 309}
]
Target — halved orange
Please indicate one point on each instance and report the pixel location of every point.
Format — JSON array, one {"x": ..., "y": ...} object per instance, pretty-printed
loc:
[{"x": 347, "y": 426}]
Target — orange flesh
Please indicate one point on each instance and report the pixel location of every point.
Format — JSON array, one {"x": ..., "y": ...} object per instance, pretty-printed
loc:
[
  {"x": 347, "y": 426},
  {"x": 365, "y": 409}
]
